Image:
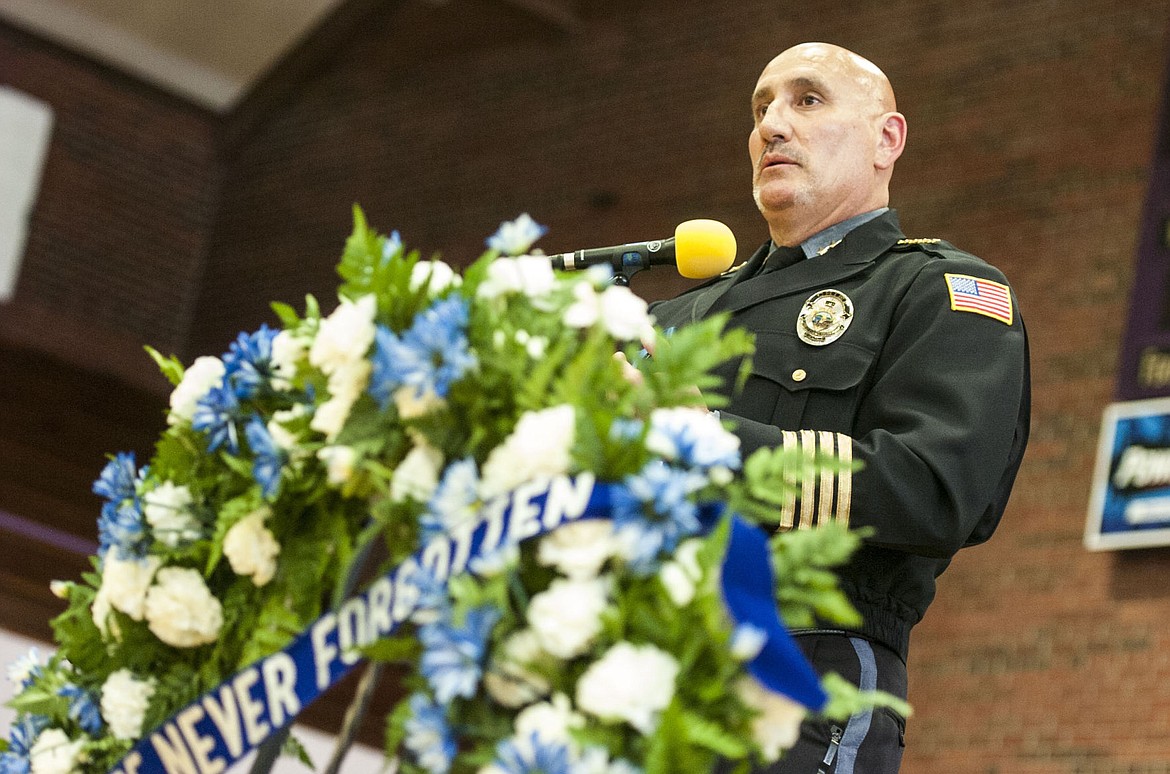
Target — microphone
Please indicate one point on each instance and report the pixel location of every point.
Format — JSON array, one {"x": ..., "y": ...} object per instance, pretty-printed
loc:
[{"x": 700, "y": 248}]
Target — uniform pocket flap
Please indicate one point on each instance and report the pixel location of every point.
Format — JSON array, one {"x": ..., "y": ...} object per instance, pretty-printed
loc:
[{"x": 788, "y": 361}]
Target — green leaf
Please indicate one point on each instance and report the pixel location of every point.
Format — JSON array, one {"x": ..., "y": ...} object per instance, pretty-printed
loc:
[
  {"x": 396, "y": 725},
  {"x": 287, "y": 315},
  {"x": 171, "y": 368},
  {"x": 846, "y": 699},
  {"x": 293, "y": 748},
  {"x": 393, "y": 650},
  {"x": 713, "y": 737},
  {"x": 37, "y": 701}
]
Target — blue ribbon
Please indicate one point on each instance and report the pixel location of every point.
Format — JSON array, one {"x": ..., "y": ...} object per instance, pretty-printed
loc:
[
  {"x": 748, "y": 589},
  {"x": 222, "y": 726}
]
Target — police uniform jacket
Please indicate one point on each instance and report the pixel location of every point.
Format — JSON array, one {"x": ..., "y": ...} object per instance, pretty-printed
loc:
[{"x": 925, "y": 388}]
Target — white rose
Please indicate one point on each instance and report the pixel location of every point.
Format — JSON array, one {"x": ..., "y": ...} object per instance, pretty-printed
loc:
[
  {"x": 124, "y": 585},
  {"x": 331, "y": 416},
  {"x": 586, "y": 307},
  {"x": 167, "y": 509},
  {"x": 567, "y": 616},
  {"x": 287, "y": 351},
  {"x": 204, "y": 373},
  {"x": 681, "y": 574},
  {"x": 55, "y": 753},
  {"x": 624, "y": 314},
  {"x": 125, "y": 700},
  {"x": 536, "y": 347},
  {"x": 539, "y": 447},
  {"x": 550, "y": 720},
  {"x": 251, "y": 549},
  {"x": 777, "y": 727},
  {"x": 346, "y": 382},
  {"x": 345, "y": 336},
  {"x": 510, "y": 680},
  {"x": 100, "y": 611},
  {"x": 579, "y": 548},
  {"x": 595, "y": 760},
  {"x": 441, "y": 275},
  {"x": 180, "y": 610},
  {"x": 630, "y": 682},
  {"x": 285, "y": 440},
  {"x": 339, "y": 463},
  {"x": 531, "y": 275},
  {"x": 417, "y": 475}
]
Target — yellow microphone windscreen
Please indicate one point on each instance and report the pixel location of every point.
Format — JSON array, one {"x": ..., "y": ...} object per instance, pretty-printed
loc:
[{"x": 703, "y": 248}]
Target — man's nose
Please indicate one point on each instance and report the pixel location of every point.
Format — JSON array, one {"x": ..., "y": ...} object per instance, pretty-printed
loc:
[{"x": 776, "y": 123}]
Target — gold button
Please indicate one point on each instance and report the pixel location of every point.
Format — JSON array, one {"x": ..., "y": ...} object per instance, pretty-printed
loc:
[{"x": 799, "y": 375}]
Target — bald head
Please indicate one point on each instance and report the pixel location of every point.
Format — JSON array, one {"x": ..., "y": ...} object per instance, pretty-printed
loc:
[
  {"x": 866, "y": 77},
  {"x": 825, "y": 138}
]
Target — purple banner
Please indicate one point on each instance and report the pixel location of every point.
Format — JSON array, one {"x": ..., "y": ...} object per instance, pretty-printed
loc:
[{"x": 1145, "y": 356}]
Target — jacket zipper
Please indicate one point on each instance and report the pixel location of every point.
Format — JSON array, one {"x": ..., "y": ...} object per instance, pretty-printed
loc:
[{"x": 834, "y": 743}]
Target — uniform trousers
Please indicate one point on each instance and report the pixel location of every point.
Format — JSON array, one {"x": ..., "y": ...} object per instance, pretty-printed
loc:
[{"x": 870, "y": 742}]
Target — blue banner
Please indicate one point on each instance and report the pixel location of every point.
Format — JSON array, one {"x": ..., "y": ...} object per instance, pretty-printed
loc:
[
  {"x": 221, "y": 727},
  {"x": 1129, "y": 506}
]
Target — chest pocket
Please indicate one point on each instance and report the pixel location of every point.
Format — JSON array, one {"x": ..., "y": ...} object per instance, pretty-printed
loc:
[{"x": 797, "y": 386}]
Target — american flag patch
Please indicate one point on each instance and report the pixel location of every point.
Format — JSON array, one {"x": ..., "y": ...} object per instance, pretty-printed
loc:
[{"x": 975, "y": 294}]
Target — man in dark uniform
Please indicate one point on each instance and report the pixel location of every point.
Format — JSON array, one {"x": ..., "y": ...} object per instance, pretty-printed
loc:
[{"x": 907, "y": 355}]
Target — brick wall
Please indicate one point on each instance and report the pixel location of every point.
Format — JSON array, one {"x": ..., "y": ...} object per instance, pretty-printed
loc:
[
  {"x": 1031, "y": 128},
  {"x": 119, "y": 233}
]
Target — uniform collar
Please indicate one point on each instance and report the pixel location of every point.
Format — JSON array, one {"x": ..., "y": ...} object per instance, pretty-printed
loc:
[
  {"x": 824, "y": 240},
  {"x": 852, "y": 254}
]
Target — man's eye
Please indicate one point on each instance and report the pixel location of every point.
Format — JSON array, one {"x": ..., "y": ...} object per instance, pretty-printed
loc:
[{"x": 809, "y": 99}]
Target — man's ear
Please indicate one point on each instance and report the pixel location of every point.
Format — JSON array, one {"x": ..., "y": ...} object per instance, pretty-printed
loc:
[{"x": 891, "y": 140}]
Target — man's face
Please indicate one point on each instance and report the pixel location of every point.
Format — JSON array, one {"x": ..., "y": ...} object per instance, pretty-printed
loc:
[{"x": 814, "y": 141}]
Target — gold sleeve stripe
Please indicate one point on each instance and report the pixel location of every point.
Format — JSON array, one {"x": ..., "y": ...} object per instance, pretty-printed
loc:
[
  {"x": 844, "y": 478},
  {"x": 822, "y": 497},
  {"x": 808, "y": 484},
  {"x": 788, "y": 510},
  {"x": 826, "y": 446}
]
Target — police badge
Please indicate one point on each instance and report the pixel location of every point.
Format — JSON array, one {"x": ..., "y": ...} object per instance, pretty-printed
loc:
[{"x": 824, "y": 317}]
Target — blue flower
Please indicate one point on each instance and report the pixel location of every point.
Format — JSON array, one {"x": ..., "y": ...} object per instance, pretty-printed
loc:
[
  {"x": 534, "y": 756},
  {"x": 692, "y": 437},
  {"x": 429, "y": 357},
  {"x": 25, "y": 669},
  {"x": 267, "y": 457},
  {"x": 119, "y": 478},
  {"x": 23, "y": 736},
  {"x": 514, "y": 237},
  {"x": 121, "y": 524},
  {"x": 428, "y": 735},
  {"x": 216, "y": 414},
  {"x": 434, "y": 603},
  {"x": 248, "y": 362},
  {"x": 121, "y": 527},
  {"x": 83, "y": 710},
  {"x": 654, "y": 507},
  {"x": 624, "y": 429},
  {"x": 454, "y": 499},
  {"x": 392, "y": 246},
  {"x": 452, "y": 659}
]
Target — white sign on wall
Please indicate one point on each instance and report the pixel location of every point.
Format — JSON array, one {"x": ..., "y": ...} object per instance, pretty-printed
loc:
[{"x": 25, "y": 126}]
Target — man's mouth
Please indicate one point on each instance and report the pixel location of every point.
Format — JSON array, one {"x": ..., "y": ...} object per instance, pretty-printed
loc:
[{"x": 776, "y": 160}]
